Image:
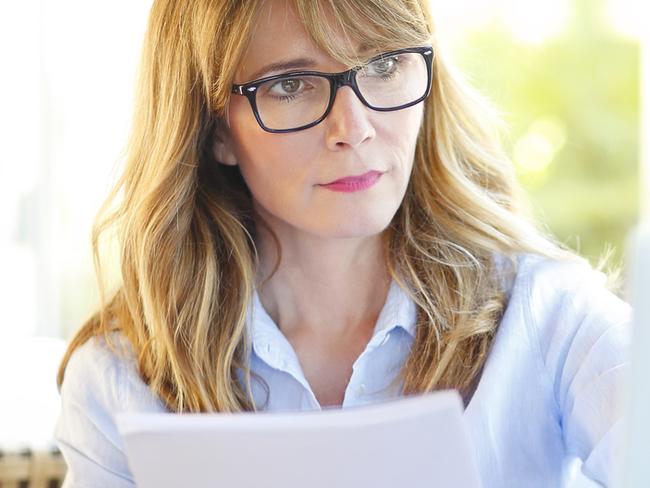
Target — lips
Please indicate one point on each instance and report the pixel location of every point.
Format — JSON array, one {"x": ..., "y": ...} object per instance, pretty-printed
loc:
[
  {"x": 354, "y": 183},
  {"x": 350, "y": 180}
]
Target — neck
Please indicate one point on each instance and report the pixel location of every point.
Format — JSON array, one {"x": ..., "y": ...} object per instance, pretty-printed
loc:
[{"x": 323, "y": 286}]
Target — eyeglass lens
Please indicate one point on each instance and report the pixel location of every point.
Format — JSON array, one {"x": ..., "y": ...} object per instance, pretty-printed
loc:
[{"x": 295, "y": 101}]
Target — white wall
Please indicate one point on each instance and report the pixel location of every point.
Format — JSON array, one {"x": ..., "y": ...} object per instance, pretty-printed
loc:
[
  {"x": 66, "y": 85},
  {"x": 66, "y": 100}
]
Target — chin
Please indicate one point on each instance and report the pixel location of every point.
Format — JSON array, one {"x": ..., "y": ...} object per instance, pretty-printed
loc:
[{"x": 355, "y": 227}]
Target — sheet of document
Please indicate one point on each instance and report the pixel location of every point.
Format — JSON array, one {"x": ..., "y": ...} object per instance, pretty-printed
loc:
[{"x": 412, "y": 442}]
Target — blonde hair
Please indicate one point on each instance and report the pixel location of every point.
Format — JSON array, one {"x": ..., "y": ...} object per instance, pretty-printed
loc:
[{"x": 185, "y": 226}]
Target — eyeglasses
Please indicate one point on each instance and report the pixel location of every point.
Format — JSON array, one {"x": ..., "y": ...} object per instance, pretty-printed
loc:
[{"x": 298, "y": 100}]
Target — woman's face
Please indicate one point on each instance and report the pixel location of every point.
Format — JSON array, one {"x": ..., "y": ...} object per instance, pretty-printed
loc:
[{"x": 286, "y": 172}]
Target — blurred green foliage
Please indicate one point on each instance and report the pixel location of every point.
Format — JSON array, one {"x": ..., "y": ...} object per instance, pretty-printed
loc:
[{"x": 572, "y": 105}]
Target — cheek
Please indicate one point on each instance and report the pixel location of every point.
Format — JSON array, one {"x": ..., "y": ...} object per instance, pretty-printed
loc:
[
  {"x": 262, "y": 153},
  {"x": 273, "y": 167},
  {"x": 399, "y": 145}
]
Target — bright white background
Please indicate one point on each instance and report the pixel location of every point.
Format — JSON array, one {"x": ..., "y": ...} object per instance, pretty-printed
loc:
[{"x": 68, "y": 69}]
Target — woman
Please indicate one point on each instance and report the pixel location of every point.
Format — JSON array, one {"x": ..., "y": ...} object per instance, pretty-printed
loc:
[{"x": 314, "y": 213}]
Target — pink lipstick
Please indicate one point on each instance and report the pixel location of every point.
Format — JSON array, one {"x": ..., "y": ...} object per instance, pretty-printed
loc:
[{"x": 354, "y": 183}]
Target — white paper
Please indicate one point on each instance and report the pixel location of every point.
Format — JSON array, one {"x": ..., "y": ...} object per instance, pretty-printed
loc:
[{"x": 411, "y": 442}]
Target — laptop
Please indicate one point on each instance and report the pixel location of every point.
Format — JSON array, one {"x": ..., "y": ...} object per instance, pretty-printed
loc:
[{"x": 636, "y": 469}]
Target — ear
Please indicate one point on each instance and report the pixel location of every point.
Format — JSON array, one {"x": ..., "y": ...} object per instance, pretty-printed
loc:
[{"x": 222, "y": 148}]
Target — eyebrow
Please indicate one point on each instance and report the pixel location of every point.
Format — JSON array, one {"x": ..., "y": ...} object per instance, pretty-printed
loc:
[
  {"x": 296, "y": 63},
  {"x": 283, "y": 66}
]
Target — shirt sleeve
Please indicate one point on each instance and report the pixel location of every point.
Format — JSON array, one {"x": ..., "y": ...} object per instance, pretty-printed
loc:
[
  {"x": 584, "y": 333},
  {"x": 86, "y": 432}
]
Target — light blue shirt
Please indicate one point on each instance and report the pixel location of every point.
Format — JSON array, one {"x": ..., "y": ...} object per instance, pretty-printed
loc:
[{"x": 550, "y": 390}]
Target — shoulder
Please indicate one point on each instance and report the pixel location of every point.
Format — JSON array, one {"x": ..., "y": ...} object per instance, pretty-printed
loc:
[
  {"x": 580, "y": 330},
  {"x": 97, "y": 368},
  {"x": 101, "y": 380},
  {"x": 103, "y": 372},
  {"x": 533, "y": 269},
  {"x": 563, "y": 291}
]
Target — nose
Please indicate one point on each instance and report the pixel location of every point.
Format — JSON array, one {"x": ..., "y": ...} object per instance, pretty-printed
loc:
[{"x": 348, "y": 123}]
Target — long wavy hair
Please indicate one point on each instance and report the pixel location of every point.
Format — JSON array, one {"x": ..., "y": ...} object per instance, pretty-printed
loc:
[{"x": 185, "y": 227}]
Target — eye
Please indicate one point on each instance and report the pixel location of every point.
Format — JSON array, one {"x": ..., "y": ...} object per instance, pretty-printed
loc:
[
  {"x": 287, "y": 86},
  {"x": 383, "y": 66}
]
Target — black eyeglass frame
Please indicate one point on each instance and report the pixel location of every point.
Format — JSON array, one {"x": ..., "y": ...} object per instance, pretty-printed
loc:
[{"x": 336, "y": 80}]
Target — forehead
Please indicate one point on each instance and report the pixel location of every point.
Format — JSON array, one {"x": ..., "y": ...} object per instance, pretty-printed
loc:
[{"x": 279, "y": 35}]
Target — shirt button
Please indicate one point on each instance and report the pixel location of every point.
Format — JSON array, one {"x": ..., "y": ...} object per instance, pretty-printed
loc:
[{"x": 361, "y": 389}]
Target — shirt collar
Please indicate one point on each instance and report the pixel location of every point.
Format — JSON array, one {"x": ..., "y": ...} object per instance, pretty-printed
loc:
[{"x": 399, "y": 310}]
